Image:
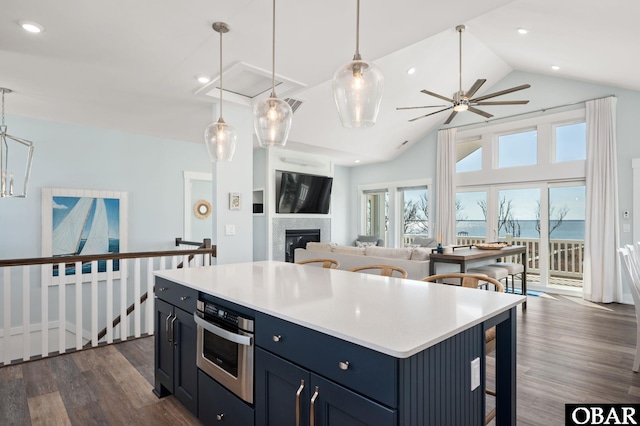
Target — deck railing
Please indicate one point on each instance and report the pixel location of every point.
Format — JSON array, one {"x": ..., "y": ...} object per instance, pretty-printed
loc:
[
  {"x": 565, "y": 256},
  {"x": 48, "y": 308}
]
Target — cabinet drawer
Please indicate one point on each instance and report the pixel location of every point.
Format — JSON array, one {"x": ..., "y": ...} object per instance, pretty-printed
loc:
[
  {"x": 218, "y": 406},
  {"x": 368, "y": 372},
  {"x": 178, "y": 295}
]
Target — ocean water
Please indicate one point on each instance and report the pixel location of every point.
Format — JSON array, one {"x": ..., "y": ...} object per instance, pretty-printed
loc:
[
  {"x": 568, "y": 229},
  {"x": 70, "y": 268}
]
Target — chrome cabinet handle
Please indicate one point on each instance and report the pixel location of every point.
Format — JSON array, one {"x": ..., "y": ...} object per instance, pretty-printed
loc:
[
  {"x": 183, "y": 298},
  {"x": 175, "y": 342},
  {"x": 277, "y": 338},
  {"x": 343, "y": 365},
  {"x": 312, "y": 410},
  {"x": 166, "y": 329},
  {"x": 300, "y": 389},
  {"x": 162, "y": 289},
  {"x": 220, "y": 417}
]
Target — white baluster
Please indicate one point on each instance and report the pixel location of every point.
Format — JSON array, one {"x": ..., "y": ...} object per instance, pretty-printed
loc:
[
  {"x": 94, "y": 303},
  {"x": 109, "y": 301},
  {"x": 79, "y": 330},
  {"x": 149, "y": 308},
  {"x": 124, "y": 319},
  {"x": 26, "y": 313},
  {"x": 136, "y": 296},
  {"x": 6, "y": 340},
  {"x": 62, "y": 309}
]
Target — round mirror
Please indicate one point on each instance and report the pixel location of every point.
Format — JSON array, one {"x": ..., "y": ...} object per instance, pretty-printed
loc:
[{"x": 202, "y": 209}]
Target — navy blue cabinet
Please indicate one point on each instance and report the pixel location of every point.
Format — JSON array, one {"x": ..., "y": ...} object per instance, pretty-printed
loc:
[
  {"x": 287, "y": 394},
  {"x": 218, "y": 406},
  {"x": 175, "y": 353}
]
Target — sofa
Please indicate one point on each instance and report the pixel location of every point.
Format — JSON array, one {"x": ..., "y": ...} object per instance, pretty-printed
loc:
[{"x": 414, "y": 260}]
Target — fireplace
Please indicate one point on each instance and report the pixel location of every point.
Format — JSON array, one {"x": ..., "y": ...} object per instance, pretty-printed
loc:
[{"x": 298, "y": 238}]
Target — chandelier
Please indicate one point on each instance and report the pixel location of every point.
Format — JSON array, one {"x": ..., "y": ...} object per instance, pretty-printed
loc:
[{"x": 12, "y": 182}]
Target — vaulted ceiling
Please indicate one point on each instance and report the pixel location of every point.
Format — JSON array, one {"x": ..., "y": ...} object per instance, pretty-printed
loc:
[{"x": 130, "y": 66}]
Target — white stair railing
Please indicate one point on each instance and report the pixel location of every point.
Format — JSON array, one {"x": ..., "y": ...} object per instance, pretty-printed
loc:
[{"x": 44, "y": 315}]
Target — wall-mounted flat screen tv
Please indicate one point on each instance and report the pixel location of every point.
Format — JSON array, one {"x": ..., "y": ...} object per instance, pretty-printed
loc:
[{"x": 302, "y": 193}]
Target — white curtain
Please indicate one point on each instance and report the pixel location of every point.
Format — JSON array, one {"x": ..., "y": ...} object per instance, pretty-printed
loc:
[
  {"x": 601, "y": 267},
  {"x": 446, "y": 187}
]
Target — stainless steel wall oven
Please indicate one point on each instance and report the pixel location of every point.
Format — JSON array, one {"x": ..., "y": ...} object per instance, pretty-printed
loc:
[{"x": 225, "y": 347}]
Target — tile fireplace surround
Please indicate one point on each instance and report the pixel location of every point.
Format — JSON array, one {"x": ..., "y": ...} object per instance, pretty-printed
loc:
[{"x": 280, "y": 226}]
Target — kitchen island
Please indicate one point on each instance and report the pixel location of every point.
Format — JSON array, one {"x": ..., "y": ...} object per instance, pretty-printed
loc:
[{"x": 356, "y": 348}]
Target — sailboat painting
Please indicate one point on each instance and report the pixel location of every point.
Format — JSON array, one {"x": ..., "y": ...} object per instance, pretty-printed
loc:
[{"x": 85, "y": 226}]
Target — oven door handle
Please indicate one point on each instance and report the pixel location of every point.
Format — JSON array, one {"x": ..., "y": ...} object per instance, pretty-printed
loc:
[{"x": 233, "y": 337}]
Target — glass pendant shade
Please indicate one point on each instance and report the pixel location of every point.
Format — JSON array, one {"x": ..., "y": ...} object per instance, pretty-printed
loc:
[
  {"x": 272, "y": 121},
  {"x": 357, "y": 91},
  {"x": 220, "y": 140}
]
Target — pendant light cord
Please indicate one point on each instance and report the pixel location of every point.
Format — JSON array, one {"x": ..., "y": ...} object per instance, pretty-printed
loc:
[
  {"x": 2, "y": 110},
  {"x": 220, "y": 76},
  {"x": 460, "y": 59},
  {"x": 273, "y": 53},
  {"x": 357, "y": 56}
]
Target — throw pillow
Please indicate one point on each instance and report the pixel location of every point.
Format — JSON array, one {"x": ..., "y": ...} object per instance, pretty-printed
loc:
[
  {"x": 364, "y": 243},
  {"x": 368, "y": 238},
  {"x": 425, "y": 242},
  {"x": 420, "y": 254},
  {"x": 320, "y": 246}
]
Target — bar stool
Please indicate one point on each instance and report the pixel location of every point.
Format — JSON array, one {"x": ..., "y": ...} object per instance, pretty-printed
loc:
[
  {"x": 513, "y": 269},
  {"x": 494, "y": 272}
]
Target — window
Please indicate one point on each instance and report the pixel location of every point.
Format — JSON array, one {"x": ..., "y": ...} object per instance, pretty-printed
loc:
[
  {"x": 518, "y": 149},
  {"x": 469, "y": 156},
  {"x": 471, "y": 220},
  {"x": 571, "y": 142},
  {"x": 415, "y": 215}
]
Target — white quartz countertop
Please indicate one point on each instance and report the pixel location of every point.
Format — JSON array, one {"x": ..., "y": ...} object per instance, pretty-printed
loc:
[{"x": 394, "y": 316}]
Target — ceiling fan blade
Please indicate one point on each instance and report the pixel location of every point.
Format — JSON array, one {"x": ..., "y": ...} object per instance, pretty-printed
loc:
[
  {"x": 502, "y": 92},
  {"x": 502, "y": 103},
  {"x": 432, "y": 113},
  {"x": 435, "y": 95},
  {"x": 451, "y": 116},
  {"x": 479, "y": 112},
  {"x": 477, "y": 85},
  {"x": 417, "y": 107}
]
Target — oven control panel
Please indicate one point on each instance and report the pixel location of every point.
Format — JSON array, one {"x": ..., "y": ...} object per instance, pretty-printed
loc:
[{"x": 220, "y": 315}]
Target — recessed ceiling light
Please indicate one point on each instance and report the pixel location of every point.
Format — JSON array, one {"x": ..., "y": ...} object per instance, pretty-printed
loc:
[
  {"x": 555, "y": 67},
  {"x": 411, "y": 71},
  {"x": 203, "y": 79},
  {"x": 32, "y": 27},
  {"x": 357, "y": 161},
  {"x": 522, "y": 31}
]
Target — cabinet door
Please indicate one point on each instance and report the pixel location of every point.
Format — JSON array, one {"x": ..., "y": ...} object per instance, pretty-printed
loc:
[
  {"x": 185, "y": 372},
  {"x": 277, "y": 383},
  {"x": 338, "y": 406},
  {"x": 163, "y": 349},
  {"x": 218, "y": 406}
]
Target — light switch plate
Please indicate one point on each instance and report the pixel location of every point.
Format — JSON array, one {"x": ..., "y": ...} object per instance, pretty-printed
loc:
[
  {"x": 229, "y": 230},
  {"x": 475, "y": 373},
  {"x": 626, "y": 227}
]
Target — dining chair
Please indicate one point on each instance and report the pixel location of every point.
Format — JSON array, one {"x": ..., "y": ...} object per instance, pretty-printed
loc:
[
  {"x": 631, "y": 268},
  {"x": 326, "y": 263},
  {"x": 385, "y": 270},
  {"x": 473, "y": 281},
  {"x": 513, "y": 269}
]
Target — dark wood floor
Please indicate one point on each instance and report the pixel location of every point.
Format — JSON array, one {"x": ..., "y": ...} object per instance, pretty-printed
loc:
[{"x": 567, "y": 353}]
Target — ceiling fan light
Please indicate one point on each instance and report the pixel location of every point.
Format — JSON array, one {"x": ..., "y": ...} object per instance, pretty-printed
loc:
[
  {"x": 272, "y": 119},
  {"x": 461, "y": 107},
  {"x": 357, "y": 92},
  {"x": 220, "y": 140}
]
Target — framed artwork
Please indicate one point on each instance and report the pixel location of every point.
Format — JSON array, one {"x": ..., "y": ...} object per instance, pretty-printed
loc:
[
  {"x": 83, "y": 222},
  {"x": 234, "y": 201}
]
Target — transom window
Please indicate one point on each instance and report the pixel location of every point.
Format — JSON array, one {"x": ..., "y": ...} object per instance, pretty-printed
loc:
[
  {"x": 571, "y": 142},
  {"x": 518, "y": 149}
]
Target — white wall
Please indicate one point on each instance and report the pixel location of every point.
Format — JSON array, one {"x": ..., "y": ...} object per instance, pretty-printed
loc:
[{"x": 71, "y": 156}]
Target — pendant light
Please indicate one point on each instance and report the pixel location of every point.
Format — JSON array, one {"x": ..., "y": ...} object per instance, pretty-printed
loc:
[
  {"x": 357, "y": 88},
  {"x": 13, "y": 184},
  {"x": 272, "y": 116},
  {"x": 219, "y": 137}
]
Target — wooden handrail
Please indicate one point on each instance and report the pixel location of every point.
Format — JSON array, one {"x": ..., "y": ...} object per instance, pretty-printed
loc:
[{"x": 107, "y": 256}]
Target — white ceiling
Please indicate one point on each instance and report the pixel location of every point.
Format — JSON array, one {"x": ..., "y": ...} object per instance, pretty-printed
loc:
[{"x": 130, "y": 65}]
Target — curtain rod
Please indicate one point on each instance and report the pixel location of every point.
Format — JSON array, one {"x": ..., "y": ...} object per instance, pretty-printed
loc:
[{"x": 526, "y": 113}]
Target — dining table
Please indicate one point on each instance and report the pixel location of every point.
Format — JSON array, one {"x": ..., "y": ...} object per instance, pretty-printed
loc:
[{"x": 469, "y": 256}]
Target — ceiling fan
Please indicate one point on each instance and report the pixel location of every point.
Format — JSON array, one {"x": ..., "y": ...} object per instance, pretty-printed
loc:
[{"x": 463, "y": 101}]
